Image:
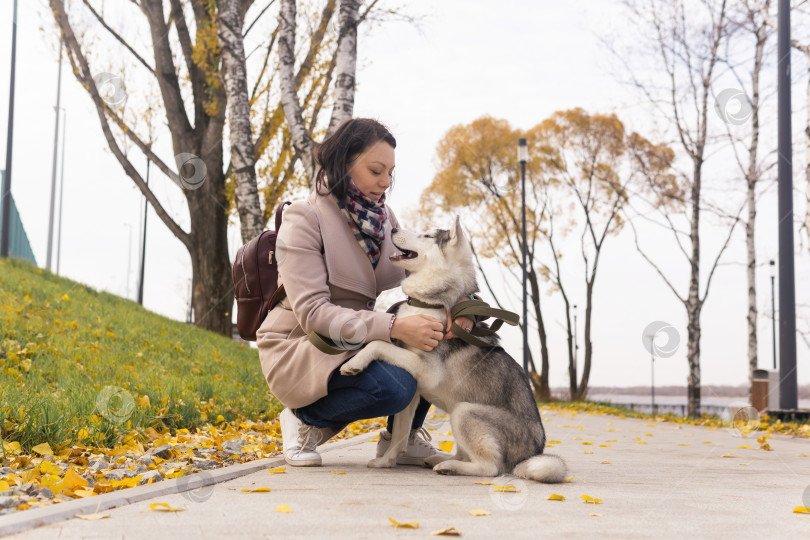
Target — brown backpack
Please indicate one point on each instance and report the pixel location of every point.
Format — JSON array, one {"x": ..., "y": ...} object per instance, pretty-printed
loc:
[{"x": 255, "y": 280}]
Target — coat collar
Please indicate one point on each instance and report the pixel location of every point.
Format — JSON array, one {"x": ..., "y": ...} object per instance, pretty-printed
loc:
[{"x": 347, "y": 264}]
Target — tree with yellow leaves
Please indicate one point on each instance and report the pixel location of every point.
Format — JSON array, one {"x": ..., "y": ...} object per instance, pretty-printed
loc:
[{"x": 577, "y": 179}]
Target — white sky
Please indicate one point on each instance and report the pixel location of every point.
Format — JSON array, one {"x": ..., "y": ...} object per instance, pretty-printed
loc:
[{"x": 519, "y": 61}]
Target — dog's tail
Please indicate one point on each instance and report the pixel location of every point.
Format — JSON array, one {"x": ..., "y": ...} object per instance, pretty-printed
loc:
[{"x": 546, "y": 468}]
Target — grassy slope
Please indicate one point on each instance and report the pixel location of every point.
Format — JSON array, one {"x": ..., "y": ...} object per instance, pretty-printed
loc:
[{"x": 62, "y": 344}]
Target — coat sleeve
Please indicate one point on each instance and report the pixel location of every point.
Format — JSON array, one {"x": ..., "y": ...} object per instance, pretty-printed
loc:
[{"x": 302, "y": 270}]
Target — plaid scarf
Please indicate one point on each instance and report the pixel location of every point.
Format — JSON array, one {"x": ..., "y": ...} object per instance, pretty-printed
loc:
[{"x": 366, "y": 219}]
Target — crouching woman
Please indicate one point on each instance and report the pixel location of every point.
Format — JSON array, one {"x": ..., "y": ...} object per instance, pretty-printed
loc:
[{"x": 333, "y": 254}]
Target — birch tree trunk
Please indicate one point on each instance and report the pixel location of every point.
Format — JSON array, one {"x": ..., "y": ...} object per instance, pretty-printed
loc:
[
  {"x": 243, "y": 153},
  {"x": 345, "y": 72},
  {"x": 543, "y": 390},
  {"x": 752, "y": 177}
]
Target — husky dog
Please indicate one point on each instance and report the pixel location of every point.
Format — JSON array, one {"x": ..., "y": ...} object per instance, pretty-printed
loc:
[{"x": 493, "y": 414}]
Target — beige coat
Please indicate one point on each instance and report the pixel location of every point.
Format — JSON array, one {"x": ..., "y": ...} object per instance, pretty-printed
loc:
[{"x": 332, "y": 293}]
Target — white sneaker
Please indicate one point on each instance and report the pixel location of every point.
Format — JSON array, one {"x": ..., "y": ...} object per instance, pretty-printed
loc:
[
  {"x": 418, "y": 449},
  {"x": 300, "y": 440}
]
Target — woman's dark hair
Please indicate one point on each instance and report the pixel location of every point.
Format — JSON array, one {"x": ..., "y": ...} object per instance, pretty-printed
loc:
[{"x": 335, "y": 153}]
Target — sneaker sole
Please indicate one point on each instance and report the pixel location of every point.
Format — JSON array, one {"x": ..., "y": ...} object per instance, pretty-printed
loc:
[{"x": 303, "y": 462}]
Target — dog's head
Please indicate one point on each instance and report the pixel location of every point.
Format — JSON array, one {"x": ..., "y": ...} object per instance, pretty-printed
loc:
[{"x": 437, "y": 258}]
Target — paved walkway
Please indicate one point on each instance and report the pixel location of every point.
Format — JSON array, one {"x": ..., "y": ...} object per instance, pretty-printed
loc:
[{"x": 676, "y": 485}]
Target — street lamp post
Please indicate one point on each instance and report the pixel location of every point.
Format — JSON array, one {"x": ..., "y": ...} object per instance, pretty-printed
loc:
[
  {"x": 773, "y": 311},
  {"x": 5, "y": 236},
  {"x": 55, "y": 155},
  {"x": 523, "y": 157}
]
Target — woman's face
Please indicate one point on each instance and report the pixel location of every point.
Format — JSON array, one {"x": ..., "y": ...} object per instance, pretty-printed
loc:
[{"x": 372, "y": 169}]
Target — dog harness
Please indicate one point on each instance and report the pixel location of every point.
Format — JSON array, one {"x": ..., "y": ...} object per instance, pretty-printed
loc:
[{"x": 475, "y": 308}]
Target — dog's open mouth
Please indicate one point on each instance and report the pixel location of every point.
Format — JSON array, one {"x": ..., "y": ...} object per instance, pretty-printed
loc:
[{"x": 406, "y": 254}]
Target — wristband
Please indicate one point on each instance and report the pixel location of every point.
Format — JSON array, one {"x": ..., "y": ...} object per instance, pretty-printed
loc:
[{"x": 391, "y": 324}]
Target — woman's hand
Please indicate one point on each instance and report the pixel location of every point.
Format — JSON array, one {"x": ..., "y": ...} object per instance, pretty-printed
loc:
[
  {"x": 419, "y": 331},
  {"x": 464, "y": 322}
]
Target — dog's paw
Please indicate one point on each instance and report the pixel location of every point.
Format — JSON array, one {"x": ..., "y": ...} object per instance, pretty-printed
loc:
[
  {"x": 444, "y": 467},
  {"x": 355, "y": 365},
  {"x": 381, "y": 463},
  {"x": 434, "y": 460}
]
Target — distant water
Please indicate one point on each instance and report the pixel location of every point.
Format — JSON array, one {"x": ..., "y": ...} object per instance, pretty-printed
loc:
[{"x": 677, "y": 405}]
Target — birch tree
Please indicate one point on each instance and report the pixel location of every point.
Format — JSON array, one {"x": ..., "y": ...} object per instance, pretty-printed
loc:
[
  {"x": 192, "y": 48},
  {"x": 685, "y": 39}
]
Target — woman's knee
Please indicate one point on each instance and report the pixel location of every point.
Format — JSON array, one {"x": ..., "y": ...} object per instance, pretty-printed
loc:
[{"x": 396, "y": 386}]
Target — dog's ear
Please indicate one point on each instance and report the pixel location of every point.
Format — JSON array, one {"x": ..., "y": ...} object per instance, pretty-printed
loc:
[{"x": 456, "y": 232}]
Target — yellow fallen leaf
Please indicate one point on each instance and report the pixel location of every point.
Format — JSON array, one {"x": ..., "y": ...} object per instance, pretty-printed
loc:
[
  {"x": 604, "y": 445},
  {"x": 648, "y": 435},
  {"x": 803, "y": 455},
  {"x": 336, "y": 472},
  {"x": 143, "y": 402},
  {"x": 743, "y": 446},
  {"x": 642, "y": 442},
  {"x": 84, "y": 493},
  {"x": 554, "y": 442},
  {"x": 650, "y": 425},
  {"x": 743, "y": 464},
  {"x": 4, "y": 486},
  {"x": 605, "y": 462},
  {"x": 449, "y": 531},
  {"x": 257, "y": 490},
  {"x": 446, "y": 446},
  {"x": 12, "y": 447},
  {"x": 763, "y": 438},
  {"x": 398, "y": 525},
  {"x": 43, "y": 449},
  {"x": 588, "y": 452},
  {"x": 729, "y": 455},
  {"x": 48, "y": 468},
  {"x": 92, "y": 517},
  {"x": 277, "y": 470},
  {"x": 479, "y": 512},
  {"x": 555, "y": 497},
  {"x": 568, "y": 480},
  {"x": 73, "y": 481},
  {"x": 284, "y": 509},
  {"x": 707, "y": 442},
  {"x": 765, "y": 446},
  {"x": 801, "y": 510},
  {"x": 484, "y": 483},
  {"x": 586, "y": 443},
  {"x": 164, "y": 507},
  {"x": 505, "y": 489},
  {"x": 590, "y": 500},
  {"x": 595, "y": 515},
  {"x": 684, "y": 444}
]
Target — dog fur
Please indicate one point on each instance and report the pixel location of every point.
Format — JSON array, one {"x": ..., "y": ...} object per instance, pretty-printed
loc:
[{"x": 492, "y": 411}]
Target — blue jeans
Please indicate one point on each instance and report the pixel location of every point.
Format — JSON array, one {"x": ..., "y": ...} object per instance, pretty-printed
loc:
[{"x": 379, "y": 390}]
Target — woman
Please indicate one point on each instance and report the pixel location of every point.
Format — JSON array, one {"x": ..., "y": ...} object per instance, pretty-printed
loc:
[{"x": 333, "y": 257}]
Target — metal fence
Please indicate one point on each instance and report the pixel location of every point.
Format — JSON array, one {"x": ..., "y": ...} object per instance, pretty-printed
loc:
[{"x": 18, "y": 241}]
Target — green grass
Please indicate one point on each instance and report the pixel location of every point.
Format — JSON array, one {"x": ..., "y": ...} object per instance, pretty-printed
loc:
[{"x": 77, "y": 364}]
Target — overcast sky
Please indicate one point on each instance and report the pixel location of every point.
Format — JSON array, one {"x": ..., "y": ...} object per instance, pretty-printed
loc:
[{"x": 519, "y": 61}]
